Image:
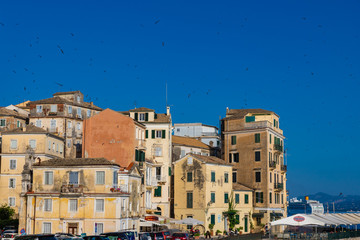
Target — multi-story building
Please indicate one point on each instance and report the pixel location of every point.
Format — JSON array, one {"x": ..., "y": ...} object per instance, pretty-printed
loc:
[
  {"x": 205, "y": 133},
  {"x": 11, "y": 119},
  {"x": 206, "y": 181},
  {"x": 75, "y": 196},
  {"x": 253, "y": 143},
  {"x": 158, "y": 150},
  {"x": 184, "y": 145},
  {"x": 63, "y": 115},
  {"x": 19, "y": 144}
]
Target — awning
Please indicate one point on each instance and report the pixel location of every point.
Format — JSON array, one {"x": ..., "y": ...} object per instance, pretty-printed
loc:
[
  {"x": 258, "y": 215},
  {"x": 298, "y": 220}
]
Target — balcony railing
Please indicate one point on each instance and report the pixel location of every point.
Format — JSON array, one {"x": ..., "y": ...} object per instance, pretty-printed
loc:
[
  {"x": 161, "y": 178},
  {"x": 272, "y": 164},
  {"x": 72, "y": 188},
  {"x": 278, "y": 186},
  {"x": 152, "y": 182},
  {"x": 278, "y": 147},
  {"x": 284, "y": 168}
]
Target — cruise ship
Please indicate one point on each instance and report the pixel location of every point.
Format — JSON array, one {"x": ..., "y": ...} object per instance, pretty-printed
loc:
[{"x": 306, "y": 206}]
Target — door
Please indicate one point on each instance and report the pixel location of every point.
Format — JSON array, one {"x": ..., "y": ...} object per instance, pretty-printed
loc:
[
  {"x": 73, "y": 228},
  {"x": 246, "y": 224}
]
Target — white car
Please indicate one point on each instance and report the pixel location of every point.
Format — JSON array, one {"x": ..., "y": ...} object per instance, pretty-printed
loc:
[{"x": 9, "y": 235}]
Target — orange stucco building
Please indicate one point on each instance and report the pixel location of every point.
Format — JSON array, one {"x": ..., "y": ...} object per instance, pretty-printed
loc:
[{"x": 114, "y": 136}]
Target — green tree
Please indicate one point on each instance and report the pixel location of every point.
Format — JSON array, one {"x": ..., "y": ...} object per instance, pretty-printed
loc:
[
  {"x": 231, "y": 212},
  {"x": 6, "y": 212}
]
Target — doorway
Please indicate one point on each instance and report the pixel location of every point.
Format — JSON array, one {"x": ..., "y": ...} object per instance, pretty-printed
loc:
[{"x": 73, "y": 228}]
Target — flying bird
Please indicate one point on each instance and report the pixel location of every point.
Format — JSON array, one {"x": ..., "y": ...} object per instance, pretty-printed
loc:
[
  {"x": 157, "y": 21},
  {"x": 60, "y": 49},
  {"x": 59, "y": 84}
]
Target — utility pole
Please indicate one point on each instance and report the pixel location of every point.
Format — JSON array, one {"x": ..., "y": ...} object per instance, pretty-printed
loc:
[{"x": 334, "y": 206}]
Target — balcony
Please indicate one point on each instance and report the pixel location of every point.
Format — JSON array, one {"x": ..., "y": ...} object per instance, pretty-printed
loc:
[
  {"x": 161, "y": 179},
  {"x": 272, "y": 164},
  {"x": 283, "y": 168},
  {"x": 261, "y": 124},
  {"x": 278, "y": 186},
  {"x": 152, "y": 182},
  {"x": 278, "y": 147},
  {"x": 72, "y": 188}
]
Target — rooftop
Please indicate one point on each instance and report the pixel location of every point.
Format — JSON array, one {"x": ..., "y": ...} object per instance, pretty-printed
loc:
[
  {"x": 210, "y": 159},
  {"x": 66, "y": 93},
  {"x": 60, "y": 100},
  {"x": 29, "y": 129},
  {"x": 69, "y": 162},
  {"x": 187, "y": 141},
  {"x": 240, "y": 187},
  {"x": 142, "y": 109},
  {"x": 241, "y": 113},
  {"x": 7, "y": 112}
]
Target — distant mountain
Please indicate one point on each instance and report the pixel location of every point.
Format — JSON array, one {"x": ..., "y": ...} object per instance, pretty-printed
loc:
[{"x": 343, "y": 203}]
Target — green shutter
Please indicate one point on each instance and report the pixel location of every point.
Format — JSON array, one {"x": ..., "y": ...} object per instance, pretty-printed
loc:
[
  {"x": 146, "y": 116},
  {"x": 274, "y": 123},
  {"x": 169, "y": 171},
  {"x": 142, "y": 156},
  {"x": 146, "y": 133},
  {"x": 250, "y": 119},
  {"x": 237, "y": 198},
  {"x": 189, "y": 177},
  {"x": 189, "y": 200},
  {"x": 246, "y": 199},
  {"x": 270, "y": 138},
  {"x": 257, "y": 137},
  {"x": 157, "y": 192},
  {"x": 152, "y": 133},
  {"x": 212, "y": 176},
  {"x": 226, "y": 198},
  {"x": 233, "y": 140},
  {"x": 213, "y": 219},
  {"x": 213, "y": 197},
  {"x": 261, "y": 197},
  {"x": 237, "y": 217},
  {"x": 136, "y": 116},
  {"x": 136, "y": 155},
  {"x": 270, "y": 198},
  {"x": 163, "y": 135}
]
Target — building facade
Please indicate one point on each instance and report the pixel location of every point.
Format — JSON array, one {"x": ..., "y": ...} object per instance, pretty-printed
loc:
[
  {"x": 184, "y": 145},
  {"x": 63, "y": 115},
  {"x": 254, "y": 144},
  {"x": 74, "y": 196},
  {"x": 18, "y": 145},
  {"x": 11, "y": 119}
]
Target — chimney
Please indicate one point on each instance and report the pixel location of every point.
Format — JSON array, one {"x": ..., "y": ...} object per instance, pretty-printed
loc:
[
  {"x": 167, "y": 110},
  {"x": 227, "y": 109},
  {"x": 91, "y": 104}
]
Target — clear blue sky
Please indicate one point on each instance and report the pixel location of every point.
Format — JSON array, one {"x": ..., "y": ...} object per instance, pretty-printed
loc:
[{"x": 297, "y": 58}]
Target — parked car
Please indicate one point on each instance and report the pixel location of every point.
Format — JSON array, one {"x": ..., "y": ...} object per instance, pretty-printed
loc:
[
  {"x": 180, "y": 236},
  {"x": 131, "y": 234},
  {"x": 9, "y": 236},
  {"x": 144, "y": 236},
  {"x": 157, "y": 236},
  {"x": 96, "y": 237},
  {"x": 36, "y": 237},
  {"x": 9, "y": 231},
  {"x": 166, "y": 234},
  {"x": 116, "y": 235}
]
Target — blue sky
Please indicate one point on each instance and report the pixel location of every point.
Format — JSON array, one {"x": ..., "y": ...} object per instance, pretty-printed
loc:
[{"x": 297, "y": 58}]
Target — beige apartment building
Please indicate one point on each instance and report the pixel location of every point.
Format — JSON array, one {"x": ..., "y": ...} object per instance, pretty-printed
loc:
[
  {"x": 254, "y": 144},
  {"x": 63, "y": 115},
  {"x": 19, "y": 145},
  {"x": 11, "y": 119}
]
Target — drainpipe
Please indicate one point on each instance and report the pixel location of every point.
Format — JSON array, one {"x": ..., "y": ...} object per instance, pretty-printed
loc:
[{"x": 34, "y": 220}]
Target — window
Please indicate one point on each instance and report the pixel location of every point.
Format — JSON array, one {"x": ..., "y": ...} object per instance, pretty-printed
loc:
[
  {"x": 189, "y": 160},
  {"x": 13, "y": 144},
  {"x": 11, "y": 201},
  {"x": 237, "y": 198},
  {"x": 99, "y": 228},
  {"x": 68, "y": 143},
  {"x": 234, "y": 177},
  {"x": 270, "y": 197},
  {"x": 257, "y": 137},
  {"x": 48, "y": 205},
  {"x": 69, "y": 124},
  {"x": 189, "y": 177},
  {"x": 38, "y": 123},
  {"x": 70, "y": 109},
  {"x": 99, "y": 205},
  {"x": 158, "y": 173},
  {"x": 54, "y": 147},
  {"x": 233, "y": 140},
  {"x": 189, "y": 200},
  {"x": 61, "y": 148},
  {"x": 100, "y": 177},
  {"x": 282, "y": 198},
  {"x": 226, "y": 177},
  {"x": 2, "y": 122},
  {"x": 74, "y": 178},
  {"x": 270, "y": 177},
  {"x": 259, "y": 197},
  {"x": 141, "y": 116},
  {"x": 12, "y": 183},
  {"x": 226, "y": 198},
  {"x": 212, "y": 176},
  {"x": 53, "y": 108},
  {"x": 73, "y": 205},
  {"x": 46, "y": 227},
  {"x": 236, "y": 157},
  {"x": 53, "y": 125},
  {"x": 270, "y": 138},
  {"x": 212, "y": 197},
  {"x": 212, "y": 219},
  {"x": 32, "y": 143},
  {"x": 246, "y": 198},
  {"x": 39, "y": 108},
  {"x": 257, "y": 176},
  {"x": 157, "y": 192},
  {"x": 79, "y": 112},
  {"x": 257, "y": 156},
  {"x": 158, "y": 151},
  {"x": 160, "y": 133},
  {"x": 250, "y": 119},
  {"x": 48, "y": 178},
  {"x": 12, "y": 164},
  {"x": 78, "y": 126},
  {"x": 88, "y": 113},
  {"x": 78, "y": 99},
  {"x": 49, "y": 145},
  {"x": 115, "y": 179}
]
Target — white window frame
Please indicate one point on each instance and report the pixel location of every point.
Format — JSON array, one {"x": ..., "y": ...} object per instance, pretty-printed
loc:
[
  {"x": 141, "y": 116},
  {"x": 69, "y": 124},
  {"x": 88, "y": 113},
  {"x": 47, "y": 205},
  {"x": 158, "y": 151},
  {"x": 70, "y": 109},
  {"x": 78, "y": 126},
  {"x": 38, "y": 123},
  {"x": 77, "y": 205},
  {"x": 68, "y": 143},
  {"x": 97, "y": 178},
  {"x": 50, "y": 179},
  {"x": 12, "y": 201},
  {"x": 96, "y": 226},
  {"x": 11, "y": 144},
  {"x": 34, "y": 141},
  {"x": 39, "y": 108},
  {"x": 102, "y": 209},
  {"x": 12, "y": 182},
  {"x": 43, "y": 227},
  {"x": 158, "y": 133},
  {"x": 11, "y": 164},
  {"x": 78, "y": 99},
  {"x": 53, "y": 108},
  {"x": 78, "y": 112}
]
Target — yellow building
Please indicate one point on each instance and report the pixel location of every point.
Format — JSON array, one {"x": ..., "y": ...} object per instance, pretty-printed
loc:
[
  {"x": 243, "y": 199},
  {"x": 18, "y": 145},
  {"x": 76, "y": 196},
  {"x": 202, "y": 188},
  {"x": 254, "y": 144}
]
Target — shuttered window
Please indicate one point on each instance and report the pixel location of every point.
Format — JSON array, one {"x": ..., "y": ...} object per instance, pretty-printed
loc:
[
  {"x": 48, "y": 205},
  {"x": 257, "y": 156},
  {"x": 236, "y": 157},
  {"x": 99, "y": 205},
  {"x": 270, "y": 197},
  {"x": 136, "y": 116},
  {"x": 237, "y": 198},
  {"x": 146, "y": 133},
  {"x": 212, "y": 176},
  {"x": 213, "y": 197},
  {"x": 46, "y": 227},
  {"x": 246, "y": 199},
  {"x": 146, "y": 116},
  {"x": 237, "y": 217},
  {"x": 48, "y": 178},
  {"x": 13, "y": 144},
  {"x": 234, "y": 177},
  {"x": 257, "y": 137},
  {"x": 115, "y": 178},
  {"x": 152, "y": 133},
  {"x": 157, "y": 192},
  {"x": 12, "y": 183},
  {"x": 100, "y": 177},
  {"x": 74, "y": 178},
  {"x": 13, "y": 164},
  {"x": 163, "y": 134},
  {"x": 189, "y": 177},
  {"x": 73, "y": 205},
  {"x": 226, "y": 177},
  {"x": 189, "y": 200},
  {"x": 257, "y": 176},
  {"x": 213, "y": 219},
  {"x": 250, "y": 119},
  {"x": 230, "y": 157},
  {"x": 226, "y": 198},
  {"x": 233, "y": 140}
]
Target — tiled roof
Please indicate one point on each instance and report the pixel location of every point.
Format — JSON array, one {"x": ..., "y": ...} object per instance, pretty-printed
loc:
[
  {"x": 241, "y": 113},
  {"x": 187, "y": 141},
  {"x": 210, "y": 159},
  {"x": 142, "y": 109},
  {"x": 60, "y": 162},
  {"x": 66, "y": 93},
  {"x": 162, "y": 118},
  {"x": 60, "y": 100},
  {"x": 27, "y": 130},
  {"x": 240, "y": 187},
  {"x": 7, "y": 112}
]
